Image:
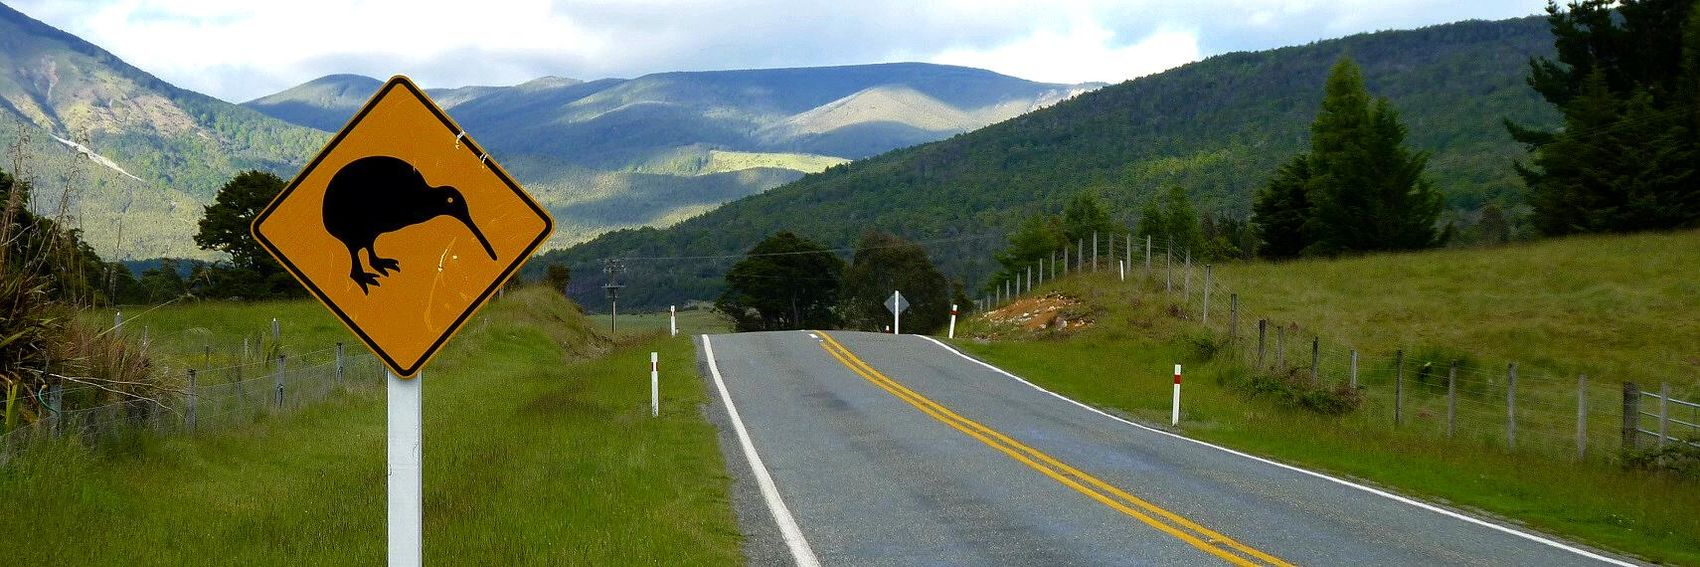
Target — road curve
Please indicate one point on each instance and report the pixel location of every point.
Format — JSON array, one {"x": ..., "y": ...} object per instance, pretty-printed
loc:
[{"x": 897, "y": 450}]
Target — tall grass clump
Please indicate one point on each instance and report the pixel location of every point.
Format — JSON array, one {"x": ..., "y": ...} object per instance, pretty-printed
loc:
[{"x": 50, "y": 364}]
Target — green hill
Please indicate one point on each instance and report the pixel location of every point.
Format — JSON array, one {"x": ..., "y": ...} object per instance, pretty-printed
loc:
[
  {"x": 139, "y": 153},
  {"x": 1217, "y": 127}
]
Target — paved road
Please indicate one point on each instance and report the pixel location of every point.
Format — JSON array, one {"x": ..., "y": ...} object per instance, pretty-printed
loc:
[{"x": 886, "y": 450}]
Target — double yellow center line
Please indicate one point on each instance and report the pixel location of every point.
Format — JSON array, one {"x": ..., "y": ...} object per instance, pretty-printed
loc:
[{"x": 1163, "y": 520}]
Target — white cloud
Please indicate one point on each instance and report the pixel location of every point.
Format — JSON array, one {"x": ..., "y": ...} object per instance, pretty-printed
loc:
[
  {"x": 239, "y": 50},
  {"x": 1086, "y": 52}
]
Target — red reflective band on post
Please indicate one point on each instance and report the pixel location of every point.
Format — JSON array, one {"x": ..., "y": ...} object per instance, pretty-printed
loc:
[
  {"x": 1177, "y": 373},
  {"x": 953, "y": 312}
]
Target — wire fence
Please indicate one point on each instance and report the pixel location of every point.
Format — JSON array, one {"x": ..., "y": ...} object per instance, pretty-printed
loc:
[
  {"x": 1464, "y": 397},
  {"x": 226, "y": 390}
]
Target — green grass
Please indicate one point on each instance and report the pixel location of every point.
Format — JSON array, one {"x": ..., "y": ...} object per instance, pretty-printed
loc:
[
  {"x": 539, "y": 449},
  {"x": 691, "y": 322},
  {"x": 1617, "y": 307},
  {"x": 1470, "y": 304}
]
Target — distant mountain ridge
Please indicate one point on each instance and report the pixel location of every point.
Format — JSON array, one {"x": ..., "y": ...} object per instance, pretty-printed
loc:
[
  {"x": 616, "y": 153},
  {"x": 142, "y": 157},
  {"x": 1217, "y": 128},
  {"x": 155, "y": 151}
]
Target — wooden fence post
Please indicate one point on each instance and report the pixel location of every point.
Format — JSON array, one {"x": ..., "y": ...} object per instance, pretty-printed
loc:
[
  {"x": 279, "y": 381},
  {"x": 1452, "y": 400},
  {"x": 1207, "y": 277},
  {"x": 1631, "y": 415},
  {"x": 1147, "y": 256},
  {"x": 1581, "y": 416},
  {"x": 1398, "y": 387},
  {"x": 1127, "y": 251},
  {"x": 1169, "y": 267},
  {"x": 1262, "y": 334},
  {"x": 1234, "y": 317},
  {"x": 55, "y": 408},
  {"x": 1315, "y": 358},
  {"x": 1354, "y": 379},
  {"x": 1511, "y": 406},
  {"x": 1094, "y": 251},
  {"x": 1664, "y": 411},
  {"x": 189, "y": 403}
]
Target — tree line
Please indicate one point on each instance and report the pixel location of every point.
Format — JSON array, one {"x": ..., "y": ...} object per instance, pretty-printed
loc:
[{"x": 790, "y": 282}]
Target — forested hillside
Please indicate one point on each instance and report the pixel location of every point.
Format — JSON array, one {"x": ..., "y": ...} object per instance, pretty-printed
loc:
[{"x": 1217, "y": 128}]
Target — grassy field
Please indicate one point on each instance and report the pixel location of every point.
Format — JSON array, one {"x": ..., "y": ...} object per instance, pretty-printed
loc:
[
  {"x": 1533, "y": 303},
  {"x": 539, "y": 449},
  {"x": 691, "y": 322}
]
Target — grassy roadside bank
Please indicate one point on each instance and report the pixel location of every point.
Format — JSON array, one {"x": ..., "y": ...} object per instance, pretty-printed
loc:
[
  {"x": 539, "y": 449},
  {"x": 1122, "y": 361}
]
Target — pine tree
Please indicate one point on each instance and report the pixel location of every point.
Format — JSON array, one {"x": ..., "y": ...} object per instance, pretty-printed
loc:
[
  {"x": 1180, "y": 218},
  {"x": 1037, "y": 239},
  {"x": 1282, "y": 209},
  {"x": 1627, "y": 81},
  {"x": 1084, "y": 216},
  {"x": 1359, "y": 189}
]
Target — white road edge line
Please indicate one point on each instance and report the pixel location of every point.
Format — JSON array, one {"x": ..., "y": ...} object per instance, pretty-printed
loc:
[
  {"x": 1340, "y": 481},
  {"x": 800, "y": 550}
]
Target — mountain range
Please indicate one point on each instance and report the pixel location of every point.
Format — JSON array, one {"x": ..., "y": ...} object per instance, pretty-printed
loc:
[
  {"x": 649, "y": 151},
  {"x": 1217, "y": 128},
  {"x": 134, "y": 158}
]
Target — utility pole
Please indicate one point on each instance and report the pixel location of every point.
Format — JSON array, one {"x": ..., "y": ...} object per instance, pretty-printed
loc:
[{"x": 613, "y": 267}]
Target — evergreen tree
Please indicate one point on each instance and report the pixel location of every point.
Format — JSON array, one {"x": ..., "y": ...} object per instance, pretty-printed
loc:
[
  {"x": 1362, "y": 189},
  {"x": 884, "y": 263},
  {"x": 1151, "y": 223},
  {"x": 1084, "y": 216},
  {"x": 1627, "y": 81},
  {"x": 1172, "y": 221},
  {"x": 1039, "y": 237},
  {"x": 784, "y": 282},
  {"x": 1180, "y": 219},
  {"x": 1282, "y": 209}
]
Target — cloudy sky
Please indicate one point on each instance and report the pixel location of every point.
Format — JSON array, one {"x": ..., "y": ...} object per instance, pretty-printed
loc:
[{"x": 238, "y": 50}]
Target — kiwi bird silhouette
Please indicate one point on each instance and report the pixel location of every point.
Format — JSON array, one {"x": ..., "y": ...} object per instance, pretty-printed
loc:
[{"x": 376, "y": 195}]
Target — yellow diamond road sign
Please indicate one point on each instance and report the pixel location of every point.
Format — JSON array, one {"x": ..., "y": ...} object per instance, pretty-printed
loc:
[{"x": 402, "y": 226}]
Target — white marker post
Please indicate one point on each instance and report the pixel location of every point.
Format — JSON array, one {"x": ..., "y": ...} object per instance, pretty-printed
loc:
[
  {"x": 673, "y": 320},
  {"x": 952, "y": 334},
  {"x": 654, "y": 385},
  {"x": 406, "y": 498},
  {"x": 1121, "y": 269},
  {"x": 1175, "y": 413}
]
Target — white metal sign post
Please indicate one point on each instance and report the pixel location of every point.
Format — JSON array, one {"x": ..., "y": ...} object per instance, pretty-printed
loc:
[
  {"x": 654, "y": 385},
  {"x": 406, "y": 495},
  {"x": 672, "y": 320},
  {"x": 896, "y": 304}
]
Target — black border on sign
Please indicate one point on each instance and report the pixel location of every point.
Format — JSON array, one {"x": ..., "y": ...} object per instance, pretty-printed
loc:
[{"x": 476, "y": 151}]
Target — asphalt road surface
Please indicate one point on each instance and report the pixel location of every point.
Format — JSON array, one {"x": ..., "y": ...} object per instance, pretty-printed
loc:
[{"x": 871, "y": 449}]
